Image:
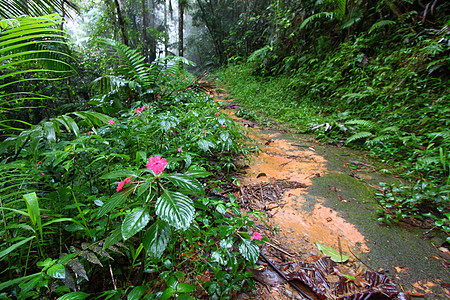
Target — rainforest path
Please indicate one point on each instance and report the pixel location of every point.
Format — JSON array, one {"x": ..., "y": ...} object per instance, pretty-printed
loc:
[{"x": 320, "y": 193}]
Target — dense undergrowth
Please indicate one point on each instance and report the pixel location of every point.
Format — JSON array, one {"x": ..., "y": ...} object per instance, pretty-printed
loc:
[
  {"x": 112, "y": 202},
  {"x": 386, "y": 96}
]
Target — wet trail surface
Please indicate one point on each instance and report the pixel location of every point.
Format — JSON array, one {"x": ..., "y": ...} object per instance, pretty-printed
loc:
[{"x": 317, "y": 193}]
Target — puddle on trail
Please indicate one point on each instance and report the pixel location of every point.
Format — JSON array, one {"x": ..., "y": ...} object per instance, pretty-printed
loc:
[
  {"x": 280, "y": 160},
  {"x": 330, "y": 203}
]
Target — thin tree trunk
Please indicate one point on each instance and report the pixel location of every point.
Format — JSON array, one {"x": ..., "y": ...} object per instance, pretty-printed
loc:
[
  {"x": 166, "y": 39},
  {"x": 144, "y": 29},
  {"x": 180, "y": 27},
  {"x": 121, "y": 23},
  {"x": 152, "y": 39}
]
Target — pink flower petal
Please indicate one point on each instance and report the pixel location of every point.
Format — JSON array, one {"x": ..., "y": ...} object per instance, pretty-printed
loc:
[
  {"x": 157, "y": 164},
  {"x": 256, "y": 236},
  {"x": 111, "y": 122}
]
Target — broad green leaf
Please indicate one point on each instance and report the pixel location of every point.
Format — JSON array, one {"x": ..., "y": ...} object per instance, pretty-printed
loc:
[
  {"x": 59, "y": 221},
  {"x": 156, "y": 238},
  {"x": 197, "y": 172},
  {"x": 116, "y": 236},
  {"x": 74, "y": 296},
  {"x": 134, "y": 222},
  {"x": 249, "y": 250},
  {"x": 176, "y": 209},
  {"x": 205, "y": 144},
  {"x": 94, "y": 118},
  {"x": 33, "y": 208},
  {"x": 332, "y": 253},
  {"x": 49, "y": 129},
  {"x": 122, "y": 174},
  {"x": 183, "y": 287},
  {"x": 27, "y": 286},
  {"x": 145, "y": 187},
  {"x": 69, "y": 123},
  {"x": 57, "y": 271},
  {"x": 9, "y": 283},
  {"x": 137, "y": 292},
  {"x": 14, "y": 247},
  {"x": 116, "y": 200},
  {"x": 189, "y": 185},
  {"x": 167, "y": 293}
]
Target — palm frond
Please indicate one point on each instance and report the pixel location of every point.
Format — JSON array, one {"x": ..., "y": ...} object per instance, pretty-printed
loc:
[
  {"x": 33, "y": 40},
  {"x": 35, "y": 8}
]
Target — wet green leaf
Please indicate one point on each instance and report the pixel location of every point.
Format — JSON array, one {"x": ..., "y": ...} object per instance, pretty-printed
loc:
[
  {"x": 176, "y": 209},
  {"x": 249, "y": 250},
  {"x": 156, "y": 238},
  {"x": 134, "y": 222},
  {"x": 332, "y": 253}
]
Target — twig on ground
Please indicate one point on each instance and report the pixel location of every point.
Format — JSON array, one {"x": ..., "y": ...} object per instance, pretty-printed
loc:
[{"x": 279, "y": 249}]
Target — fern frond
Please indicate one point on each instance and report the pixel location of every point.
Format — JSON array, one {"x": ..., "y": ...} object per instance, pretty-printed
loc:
[
  {"x": 358, "y": 136},
  {"x": 342, "y": 5},
  {"x": 379, "y": 139},
  {"x": 328, "y": 15},
  {"x": 393, "y": 129},
  {"x": 380, "y": 24},
  {"x": 445, "y": 135},
  {"x": 428, "y": 161},
  {"x": 259, "y": 54},
  {"x": 363, "y": 123}
]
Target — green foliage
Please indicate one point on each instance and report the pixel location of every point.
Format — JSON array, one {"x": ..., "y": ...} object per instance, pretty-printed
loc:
[
  {"x": 385, "y": 91},
  {"x": 86, "y": 184}
]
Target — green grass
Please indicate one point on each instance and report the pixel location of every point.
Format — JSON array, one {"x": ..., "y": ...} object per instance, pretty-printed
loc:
[{"x": 269, "y": 97}]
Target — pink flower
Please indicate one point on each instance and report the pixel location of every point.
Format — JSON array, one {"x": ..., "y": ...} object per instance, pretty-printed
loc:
[
  {"x": 89, "y": 133},
  {"x": 179, "y": 149},
  {"x": 182, "y": 80},
  {"x": 137, "y": 111},
  {"x": 111, "y": 122},
  {"x": 204, "y": 131},
  {"x": 211, "y": 96},
  {"x": 39, "y": 162},
  {"x": 256, "y": 236},
  {"x": 143, "y": 107},
  {"x": 122, "y": 183},
  {"x": 222, "y": 126},
  {"x": 157, "y": 164},
  {"x": 190, "y": 111},
  {"x": 171, "y": 74},
  {"x": 216, "y": 114}
]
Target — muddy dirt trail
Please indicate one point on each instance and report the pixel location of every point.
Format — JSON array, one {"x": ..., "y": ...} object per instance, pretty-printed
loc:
[{"x": 316, "y": 193}]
